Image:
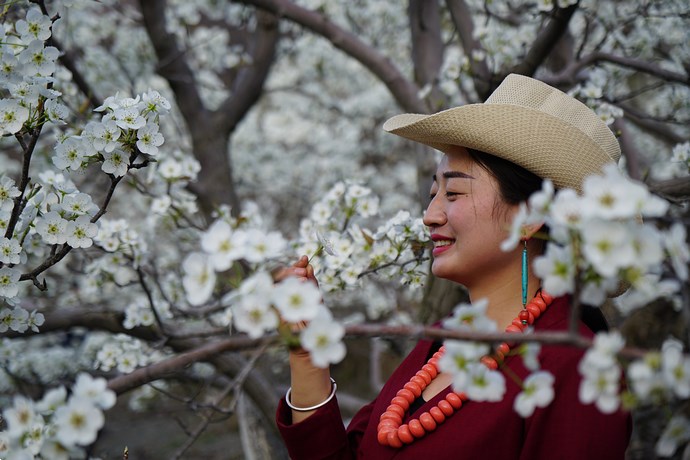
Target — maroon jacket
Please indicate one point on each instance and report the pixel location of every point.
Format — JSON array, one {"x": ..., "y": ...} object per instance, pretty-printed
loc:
[{"x": 564, "y": 430}]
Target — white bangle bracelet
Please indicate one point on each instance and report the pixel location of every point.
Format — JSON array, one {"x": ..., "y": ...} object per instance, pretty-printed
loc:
[{"x": 334, "y": 387}]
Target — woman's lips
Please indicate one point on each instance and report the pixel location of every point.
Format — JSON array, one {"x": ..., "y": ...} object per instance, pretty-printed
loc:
[{"x": 441, "y": 244}]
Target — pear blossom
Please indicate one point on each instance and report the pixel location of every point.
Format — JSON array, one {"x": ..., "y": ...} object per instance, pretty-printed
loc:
[
  {"x": 9, "y": 286},
  {"x": 676, "y": 433},
  {"x": 223, "y": 244},
  {"x": 78, "y": 422},
  {"x": 254, "y": 318},
  {"x": 56, "y": 112},
  {"x": 10, "y": 68},
  {"x": 323, "y": 339},
  {"x": 530, "y": 354},
  {"x": 149, "y": 139},
  {"x": 199, "y": 278},
  {"x": 516, "y": 229},
  {"x": 556, "y": 268},
  {"x": 80, "y": 232},
  {"x": 26, "y": 92},
  {"x": 261, "y": 245},
  {"x": 483, "y": 384},
  {"x": 102, "y": 135},
  {"x": 36, "y": 26},
  {"x": 675, "y": 368},
  {"x": 94, "y": 390},
  {"x": 39, "y": 60},
  {"x": 20, "y": 416},
  {"x": 9, "y": 250},
  {"x": 600, "y": 386},
  {"x": 537, "y": 391},
  {"x": 677, "y": 247},
  {"x": 470, "y": 317},
  {"x": 70, "y": 154},
  {"x": 607, "y": 246},
  {"x": 644, "y": 376},
  {"x": 170, "y": 169},
  {"x": 51, "y": 400},
  {"x": 566, "y": 209},
  {"x": 12, "y": 116},
  {"x": 154, "y": 103},
  {"x": 128, "y": 118},
  {"x": 296, "y": 300},
  {"x": 115, "y": 163},
  {"x": 79, "y": 204},
  {"x": 607, "y": 196},
  {"x": 458, "y": 358},
  {"x": 8, "y": 191}
]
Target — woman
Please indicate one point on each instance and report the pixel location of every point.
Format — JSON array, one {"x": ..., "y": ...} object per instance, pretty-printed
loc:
[{"x": 495, "y": 155}]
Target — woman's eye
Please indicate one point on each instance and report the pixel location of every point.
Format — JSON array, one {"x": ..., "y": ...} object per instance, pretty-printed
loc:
[{"x": 452, "y": 194}]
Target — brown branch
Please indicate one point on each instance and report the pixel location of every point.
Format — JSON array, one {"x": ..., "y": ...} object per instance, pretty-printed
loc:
[
  {"x": 462, "y": 18},
  {"x": 545, "y": 41},
  {"x": 404, "y": 91},
  {"x": 427, "y": 48}
]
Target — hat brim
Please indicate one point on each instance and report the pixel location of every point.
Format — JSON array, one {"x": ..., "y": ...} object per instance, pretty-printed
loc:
[{"x": 539, "y": 142}]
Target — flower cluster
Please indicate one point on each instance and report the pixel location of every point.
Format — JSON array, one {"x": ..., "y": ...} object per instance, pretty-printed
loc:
[
  {"x": 601, "y": 241},
  {"x": 59, "y": 425},
  {"x": 462, "y": 359}
]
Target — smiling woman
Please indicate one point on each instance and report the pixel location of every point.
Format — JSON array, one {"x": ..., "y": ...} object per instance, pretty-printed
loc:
[{"x": 454, "y": 400}]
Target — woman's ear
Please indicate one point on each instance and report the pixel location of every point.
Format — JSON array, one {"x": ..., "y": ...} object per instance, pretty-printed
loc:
[{"x": 531, "y": 230}]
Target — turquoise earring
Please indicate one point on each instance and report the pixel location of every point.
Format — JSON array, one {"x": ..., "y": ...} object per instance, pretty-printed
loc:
[{"x": 524, "y": 314}]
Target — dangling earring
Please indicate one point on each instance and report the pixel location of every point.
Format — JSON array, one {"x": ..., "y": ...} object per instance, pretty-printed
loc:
[{"x": 524, "y": 314}]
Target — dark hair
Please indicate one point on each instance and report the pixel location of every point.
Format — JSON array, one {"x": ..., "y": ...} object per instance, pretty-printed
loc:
[{"x": 515, "y": 183}]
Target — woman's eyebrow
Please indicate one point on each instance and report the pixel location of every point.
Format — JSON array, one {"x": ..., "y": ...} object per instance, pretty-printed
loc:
[{"x": 454, "y": 174}]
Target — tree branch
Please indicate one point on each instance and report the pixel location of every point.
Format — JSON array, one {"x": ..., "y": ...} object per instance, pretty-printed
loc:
[{"x": 404, "y": 91}]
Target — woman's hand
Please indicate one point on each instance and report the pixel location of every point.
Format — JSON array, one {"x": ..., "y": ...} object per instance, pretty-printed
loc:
[{"x": 301, "y": 269}]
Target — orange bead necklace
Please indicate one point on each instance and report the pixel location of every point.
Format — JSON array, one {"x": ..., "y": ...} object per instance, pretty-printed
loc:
[{"x": 391, "y": 429}]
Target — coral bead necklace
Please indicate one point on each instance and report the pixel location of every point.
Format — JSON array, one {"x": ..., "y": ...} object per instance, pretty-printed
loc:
[{"x": 391, "y": 429}]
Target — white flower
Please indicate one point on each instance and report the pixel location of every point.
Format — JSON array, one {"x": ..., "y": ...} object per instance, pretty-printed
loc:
[
  {"x": 557, "y": 270},
  {"x": 103, "y": 136},
  {"x": 470, "y": 317},
  {"x": 458, "y": 358},
  {"x": 56, "y": 112},
  {"x": 483, "y": 384},
  {"x": 516, "y": 229},
  {"x": 675, "y": 368},
  {"x": 540, "y": 202},
  {"x": 254, "y": 317},
  {"x": 326, "y": 244},
  {"x": 567, "y": 209},
  {"x": 537, "y": 392},
  {"x": 676, "y": 433},
  {"x": 115, "y": 163},
  {"x": 644, "y": 376},
  {"x": 36, "y": 26},
  {"x": 9, "y": 278},
  {"x": 94, "y": 390},
  {"x": 149, "y": 139},
  {"x": 38, "y": 60},
  {"x": 80, "y": 232},
  {"x": 8, "y": 191},
  {"x": 677, "y": 247},
  {"x": 35, "y": 319},
  {"x": 129, "y": 118},
  {"x": 608, "y": 196},
  {"x": 52, "y": 399},
  {"x": 20, "y": 417},
  {"x": 79, "y": 204},
  {"x": 261, "y": 246},
  {"x": 154, "y": 103},
  {"x": 78, "y": 422},
  {"x": 199, "y": 278},
  {"x": 70, "y": 153},
  {"x": 161, "y": 205},
  {"x": 223, "y": 245},
  {"x": 12, "y": 116},
  {"x": 296, "y": 300},
  {"x": 9, "y": 250},
  {"x": 601, "y": 388},
  {"x": 607, "y": 246},
  {"x": 52, "y": 228},
  {"x": 530, "y": 355},
  {"x": 323, "y": 339},
  {"x": 170, "y": 169}
]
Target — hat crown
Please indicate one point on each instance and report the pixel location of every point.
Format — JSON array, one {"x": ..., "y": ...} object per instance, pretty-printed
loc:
[{"x": 534, "y": 94}]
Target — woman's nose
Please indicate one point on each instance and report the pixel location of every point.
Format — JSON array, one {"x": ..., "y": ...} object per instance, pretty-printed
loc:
[{"x": 434, "y": 216}]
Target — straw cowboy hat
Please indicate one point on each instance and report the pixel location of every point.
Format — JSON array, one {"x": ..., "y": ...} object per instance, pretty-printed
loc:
[{"x": 524, "y": 121}]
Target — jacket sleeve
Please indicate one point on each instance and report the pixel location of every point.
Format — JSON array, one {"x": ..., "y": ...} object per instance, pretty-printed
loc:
[
  {"x": 322, "y": 435},
  {"x": 567, "y": 429}
]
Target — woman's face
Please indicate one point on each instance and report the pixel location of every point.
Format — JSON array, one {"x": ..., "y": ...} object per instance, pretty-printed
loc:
[{"x": 468, "y": 220}]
